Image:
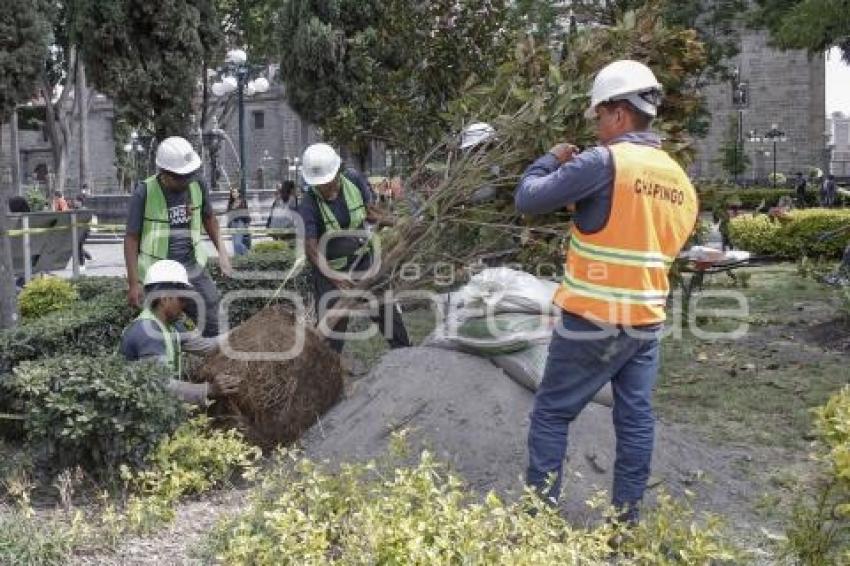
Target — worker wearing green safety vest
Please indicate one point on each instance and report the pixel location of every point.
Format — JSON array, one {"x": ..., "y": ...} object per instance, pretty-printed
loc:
[
  {"x": 338, "y": 201},
  {"x": 154, "y": 335},
  {"x": 164, "y": 221}
]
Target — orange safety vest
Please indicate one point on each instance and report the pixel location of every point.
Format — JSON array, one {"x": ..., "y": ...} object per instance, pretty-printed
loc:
[{"x": 618, "y": 275}]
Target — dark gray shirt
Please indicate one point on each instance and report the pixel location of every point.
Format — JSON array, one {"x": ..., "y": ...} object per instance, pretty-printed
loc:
[
  {"x": 179, "y": 216},
  {"x": 143, "y": 340},
  {"x": 586, "y": 181},
  {"x": 314, "y": 226}
]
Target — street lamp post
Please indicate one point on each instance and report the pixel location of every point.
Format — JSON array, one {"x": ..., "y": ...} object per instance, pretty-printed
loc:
[
  {"x": 775, "y": 135},
  {"x": 740, "y": 100},
  {"x": 236, "y": 73},
  {"x": 132, "y": 150}
]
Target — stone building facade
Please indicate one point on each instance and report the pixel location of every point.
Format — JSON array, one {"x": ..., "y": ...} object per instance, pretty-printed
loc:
[
  {"x": 275, "y": 135},
  {"x": 786, "y": 88},
  {"x": 36, "y": 158}
]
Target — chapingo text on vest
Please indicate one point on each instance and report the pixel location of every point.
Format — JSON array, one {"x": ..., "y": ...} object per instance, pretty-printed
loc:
[{"x": 673, "y": 195}]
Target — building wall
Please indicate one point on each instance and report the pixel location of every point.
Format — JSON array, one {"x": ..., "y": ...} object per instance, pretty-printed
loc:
[
  {"x": 36, "y": 154},
  {"x": 272, "y": 147},
  {"x": 786, "y": 88}
]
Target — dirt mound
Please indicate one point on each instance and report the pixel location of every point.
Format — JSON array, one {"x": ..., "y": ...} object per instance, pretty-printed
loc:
[
  {"x": 830, "y": 335},
  {"x": 471, "y": 415},
  {"x": 278, "y": 400}
]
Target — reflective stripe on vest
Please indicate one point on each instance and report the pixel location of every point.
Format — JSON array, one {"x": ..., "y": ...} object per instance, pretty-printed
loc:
[
  {"x": 156, "y": 226},
  {"x": 172, "y": 342},
  {"x": 357, "y": 216},
  {"x": 618, "y": 275}
]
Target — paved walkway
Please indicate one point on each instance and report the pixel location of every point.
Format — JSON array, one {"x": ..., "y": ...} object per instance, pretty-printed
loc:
[
  {"x": 109, "y": 256},
  {"x": 108, "y": 260}
]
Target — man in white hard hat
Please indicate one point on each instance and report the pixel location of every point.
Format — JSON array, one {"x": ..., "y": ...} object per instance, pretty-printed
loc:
[
  {"x": 479, "y": 136},
  {"x": 164, "y": 221},
  {"x": 155, "y": 334},
  {"x": 340, "y": 200},
  {"x": 476, "y": 134},
  {"x": 635, "y": 209}
]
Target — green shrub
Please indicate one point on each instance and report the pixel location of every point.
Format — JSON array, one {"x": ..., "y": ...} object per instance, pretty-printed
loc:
[
  {"x": 263, "y": 266},
  {"x": 91, "y": 327},
  {"x": 712, "y": 197},
  {"x": 36, "y": 199},
  {"x": 194, "y": 459},
  {"x": 93, "y": 412},
  {"x": 92, "y": 287},
  {"x": 800, "y": 233},
  {"x": 380, "y": 514},
  {"x": 819, "y": 532},
  {"x": 27, "y": 540},
  {"x": 269, "y": 246},
  {"x": 44, "y": 295}
]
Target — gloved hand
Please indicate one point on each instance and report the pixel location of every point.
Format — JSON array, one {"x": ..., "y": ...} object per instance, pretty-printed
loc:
[{"x": 224, "y": 385}]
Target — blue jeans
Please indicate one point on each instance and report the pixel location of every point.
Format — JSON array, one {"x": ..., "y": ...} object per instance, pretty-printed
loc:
[
  {"x": 241, "y": 244},
  {"x": 575, "y": 370}
]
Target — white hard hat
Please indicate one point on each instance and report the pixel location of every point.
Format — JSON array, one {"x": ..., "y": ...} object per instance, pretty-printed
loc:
[
  {"x": 475, "y": 134},
  {"x": 626, "y": 80},
  {"x": 320, "y": 164},
  {"x": 177, "y": 155},
  {"x": 167, "y": 271}
]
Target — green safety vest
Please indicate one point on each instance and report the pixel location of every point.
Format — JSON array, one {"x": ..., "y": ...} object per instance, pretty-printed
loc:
[
  {"x": 356, "y": 211},
  {"x": 156, "y": 226},
  {"x": 172, "y": 342}
]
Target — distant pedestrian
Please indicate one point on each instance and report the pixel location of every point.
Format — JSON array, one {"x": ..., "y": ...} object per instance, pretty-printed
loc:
[
  {"x": 283, "y": 212},
  {"x": 800, "y": 189},
  {"x": 59, "y": 203},
  {"x": 828, "y": 192},
  {"x": 239, "y": 219}
]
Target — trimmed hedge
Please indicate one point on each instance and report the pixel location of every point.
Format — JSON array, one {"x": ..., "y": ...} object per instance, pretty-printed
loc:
[
  {"x": 92, "y": 287},
  {"x": 90, "y": 327},
  {"x": 94, "y": 412},
  {"x": 278, "y": 263},
  {"x": 749, "y": 199},
  {"x": 269, "y": 246},
  {"x": 799, "y": 233}
]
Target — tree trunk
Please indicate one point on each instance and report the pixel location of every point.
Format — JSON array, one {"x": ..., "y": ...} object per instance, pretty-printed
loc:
[
  {"x": 84, "y": 183},
  {"x": 15, "y": 154},
  {"x": 58, "y": 120},
  {"x": 8, "y": 302}
]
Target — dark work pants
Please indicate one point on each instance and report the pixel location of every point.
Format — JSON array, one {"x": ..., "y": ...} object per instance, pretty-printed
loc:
[
  {"x": 203, "y": 284},
  {"x": 576, "y": 369},
  {"x": 390, "y": 323}
]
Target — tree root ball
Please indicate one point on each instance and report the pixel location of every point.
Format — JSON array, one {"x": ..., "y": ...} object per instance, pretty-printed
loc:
[{"x": 278, "y": 399}]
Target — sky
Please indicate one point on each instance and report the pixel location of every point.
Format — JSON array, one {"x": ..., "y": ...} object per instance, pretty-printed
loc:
[{"x": 837, "y": 83}]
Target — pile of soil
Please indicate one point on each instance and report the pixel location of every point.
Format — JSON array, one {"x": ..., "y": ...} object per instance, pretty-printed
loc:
[
  {"x": 472, "y": 416},
  {"x": 278, "y": 399},
  {"x": 831, "y": 335}
]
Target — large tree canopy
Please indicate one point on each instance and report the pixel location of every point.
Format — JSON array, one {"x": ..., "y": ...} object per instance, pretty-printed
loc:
[
  {"x": 148, "y": 56},
  {"x": 24, "y": 37},
  {"x": 386, "y": 70},
  {"x": 815, "y": 25}
]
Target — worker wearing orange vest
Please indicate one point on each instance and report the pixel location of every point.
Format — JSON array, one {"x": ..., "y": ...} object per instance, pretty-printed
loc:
[{"x": 635, "y": 209}]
